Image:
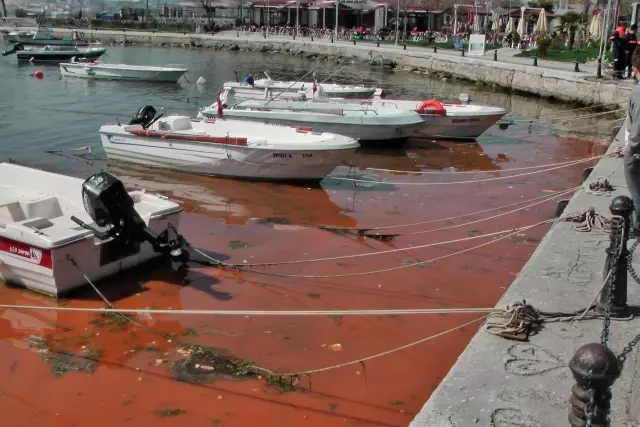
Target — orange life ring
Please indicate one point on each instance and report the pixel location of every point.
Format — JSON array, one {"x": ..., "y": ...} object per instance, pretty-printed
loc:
[{"x": 431, "y": 106}]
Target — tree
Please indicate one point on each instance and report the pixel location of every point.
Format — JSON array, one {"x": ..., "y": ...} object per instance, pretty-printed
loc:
[
  {"x": 210, "y": 9},
  {"x": 4, "y": 8},
  {"x": 543, "y": 4},
  {"x": 570, "y": 23},
  {"x": 20, "y": 13}
]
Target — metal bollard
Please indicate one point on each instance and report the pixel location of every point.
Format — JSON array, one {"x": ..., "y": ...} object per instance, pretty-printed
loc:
[
  {"x": 535, "y": 61},
  {"x": 237, "y": 33},
  {"x": 595, "y": 369},
  {"x": 616, "y": 288},
  {"x": 404, "y": 47},
  {"x": 495, "y": 55},
  {"x": 462, "y": 52},
  {"x": 576, "y": 69},
  {"x": 331, "y": 37},
  {"x": 435, "y": 48},
  {"x": 599, "y": 72},
  {"x": 311, "y": 37},
  {"x": 378, "y": 43},
  {"x": 354, "y": 41},
  {"x": 294, "y": 36}
]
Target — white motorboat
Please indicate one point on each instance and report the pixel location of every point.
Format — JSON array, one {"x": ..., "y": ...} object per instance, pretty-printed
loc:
[
  {"x": 447, "y": 119},
  {"x": 99, "y": 70},
  {"x": 362, "y": 122},
  {"x": 53, "y": 54},
  {"x": 44, "y": 36},
  {"x": 441, "y": 119},
  {"x": 331, "y": 89},
  {"x": 226, "y": 148},
  {"x": 48, "y": 235}
]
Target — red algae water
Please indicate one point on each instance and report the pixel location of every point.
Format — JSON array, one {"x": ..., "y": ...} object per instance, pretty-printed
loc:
[{"x": 62, "y": 368}]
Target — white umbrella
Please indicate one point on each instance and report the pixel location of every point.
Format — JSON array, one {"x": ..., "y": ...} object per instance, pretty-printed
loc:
[
  {"x": 521, "y": 27},
  {"x": 542, "y": 26},
  {"x": 510, "y": 26},
  {"x": 495, "y": 21},
  {"x": 476, "y": 25}
]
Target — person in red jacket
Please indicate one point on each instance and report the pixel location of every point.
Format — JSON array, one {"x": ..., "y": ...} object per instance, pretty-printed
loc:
[
  {"x": 619, "y": 43},
  {"x": 632, "y": 42}
]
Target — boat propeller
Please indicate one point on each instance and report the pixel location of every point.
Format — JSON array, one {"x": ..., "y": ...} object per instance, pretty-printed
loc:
[
  {"x": 15, "y": 49},
  {"x": 112, "y": 208}
]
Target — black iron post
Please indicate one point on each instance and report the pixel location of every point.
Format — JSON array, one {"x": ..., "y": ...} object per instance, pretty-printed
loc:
[
  {"x": 237, "y": 33},
  {"x": 311, "y": 37},
  {"x": 378, "y": 42},
  {"x": 599, "y": 75},
  {"x": 621, "y": 208},
  {"x": 495, "y": 55},
  {"x": 462, "y": 52},
  {"x": 595, "y": 369},
  {"x": 354, "y": 41},
  {"x": 331, "y": 37},
  {"x": 404, "y": 46},
  {"x": 576, "y": 69},
  {"x": 435, "y": 48},
  {"x": 535, "y": 61}
]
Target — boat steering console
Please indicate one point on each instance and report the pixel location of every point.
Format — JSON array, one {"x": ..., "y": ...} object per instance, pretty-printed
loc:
[{"x": 110, "y": 206}]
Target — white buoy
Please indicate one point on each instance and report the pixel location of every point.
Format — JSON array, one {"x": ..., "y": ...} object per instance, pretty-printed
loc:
[{"x": 201, "y": 81}]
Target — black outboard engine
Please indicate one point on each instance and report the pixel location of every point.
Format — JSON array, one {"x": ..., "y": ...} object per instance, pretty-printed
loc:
[
  {"x": 109, "y": 205},
  {"x": 144, "y": 116},
  {"x": 16, "y": 47}
]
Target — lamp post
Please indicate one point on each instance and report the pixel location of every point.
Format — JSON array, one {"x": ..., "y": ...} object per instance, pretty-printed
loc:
[
  {"x": 336, "y": 28},
  {"x": 524, "y": 25},
  {"x": 397, "y": 21},
  {"x": 297, "y": 17},
  {"x": 455, "y": 19}
]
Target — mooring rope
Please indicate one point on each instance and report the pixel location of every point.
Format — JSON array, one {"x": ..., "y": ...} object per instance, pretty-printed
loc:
[
  {"x": 589, "y": 220},
  {"x": 568, "y": 162},
  {"x": 599, "y": 186},
  {"x": 333, "y": 258},
  {"x": 219, "y": 263},
  {"x": 412, "y": 224},
  {"x": 475, "y": 181},
  {"x": 567, "y": 118}
]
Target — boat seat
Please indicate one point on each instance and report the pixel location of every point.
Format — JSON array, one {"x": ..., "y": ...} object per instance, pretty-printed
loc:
[
  {"x": 48, "y": 207},
  {"x": 11, "y": 211}
]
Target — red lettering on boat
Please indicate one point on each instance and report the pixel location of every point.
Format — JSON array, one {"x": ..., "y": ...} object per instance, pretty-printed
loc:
[
  {"x": 28, "y": 253},
  {"x": 187, "y": 137}
]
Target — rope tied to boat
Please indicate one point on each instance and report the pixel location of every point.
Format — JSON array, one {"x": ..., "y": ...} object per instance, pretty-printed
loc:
[
  {"x": 599, "y": 186},
  {"x": 617, "y": 153}
]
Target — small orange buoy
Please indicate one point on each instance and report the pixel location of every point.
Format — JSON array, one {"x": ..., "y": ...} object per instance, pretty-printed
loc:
[{"x": 38, "y": 74}]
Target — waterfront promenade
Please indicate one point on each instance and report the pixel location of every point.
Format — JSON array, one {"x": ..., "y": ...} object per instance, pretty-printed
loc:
[
  {"x": 549, "y": 79},
  {"x": 499, "y": 382}
]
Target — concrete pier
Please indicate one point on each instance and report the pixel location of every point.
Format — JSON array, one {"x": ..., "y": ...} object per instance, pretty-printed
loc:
[
  {"x": 498, "y": 382},
  {"x": 549, "y": 79}
]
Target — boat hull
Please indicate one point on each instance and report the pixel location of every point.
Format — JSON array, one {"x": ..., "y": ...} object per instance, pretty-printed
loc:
[
  {"x": 455, "y": 127},
  {"x": 217, "y": 159},
  {"x": 105, "y": 73},
  {"x": 56, "y": 57},
  {"x": 55, "y": 276},
  {"x": 29, "y": 41},
  {"x": 363, "y": 132}
]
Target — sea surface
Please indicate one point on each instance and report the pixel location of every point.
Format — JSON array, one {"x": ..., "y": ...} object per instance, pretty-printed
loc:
[{"x": 436, "y": 197}]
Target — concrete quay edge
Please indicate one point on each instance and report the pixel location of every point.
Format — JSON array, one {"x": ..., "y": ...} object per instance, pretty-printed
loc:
[{"x": 497, "y": 382}]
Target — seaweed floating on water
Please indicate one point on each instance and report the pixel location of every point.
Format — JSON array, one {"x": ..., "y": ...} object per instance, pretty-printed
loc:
[
  {"x": 201, "y": 363},
  {"x": 62, "y": 362}
]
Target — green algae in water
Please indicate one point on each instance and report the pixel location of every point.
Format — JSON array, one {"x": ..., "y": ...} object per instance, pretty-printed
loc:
[
  {"x": 62, "y": 362},
  {"x": 202, "y": 363},
  {"x": 172, "y": 412},
  {"x": 239, "y": 244}
]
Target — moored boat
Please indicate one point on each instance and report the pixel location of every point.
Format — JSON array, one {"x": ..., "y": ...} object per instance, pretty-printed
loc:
[
  {"x": 226, "y": 148},
  {"x": 308, "y": 88},
  {"x": 54, "y": 54},
  {"x": 362, "y": 122},
  {"x": 44, "y": 36},
  {"x": 441, "y": 119},
  {"x": 49, "y": 221},
  {"x": 102, "y": 71}
]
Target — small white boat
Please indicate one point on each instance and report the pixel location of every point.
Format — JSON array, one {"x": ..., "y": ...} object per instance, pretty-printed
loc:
[
  {"x": 99, "y": 70},
  {"x": 43, "y": 228},
  {"x": 53, "y": 54},
  {"x": 331, "y": 89},
  {"x": 362, "y": 122},
  {"x": 44, "y": 36},
  {"x": 441, "y": 119},
  {"x": 226, "y": 148}
]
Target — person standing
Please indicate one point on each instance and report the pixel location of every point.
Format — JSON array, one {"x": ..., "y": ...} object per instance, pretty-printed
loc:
[
  {"x": 632, "y": 145},
  {"x": 619, "y": 43},
  {"x": 632, "y": 42}
]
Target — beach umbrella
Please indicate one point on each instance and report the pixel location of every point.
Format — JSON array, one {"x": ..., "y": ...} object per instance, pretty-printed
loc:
[
  {"x": 476, "y": 26},
  {"x": 522, "y": 29},
  {"x": 542, "y": 26},
  {"x": 510, "y": 26},
  {"x": 495, "y": 21}
]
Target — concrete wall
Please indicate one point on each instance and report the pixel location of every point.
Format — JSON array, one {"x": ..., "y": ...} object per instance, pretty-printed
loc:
[{"x": 561, "y": 85}]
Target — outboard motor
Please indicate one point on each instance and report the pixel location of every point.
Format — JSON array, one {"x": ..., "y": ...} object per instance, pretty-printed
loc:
[
  {"x": 16, "y": 48},
  {"x": 144, "y": 117},
  {"x": 110, "y": 206}
]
